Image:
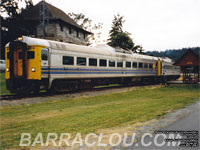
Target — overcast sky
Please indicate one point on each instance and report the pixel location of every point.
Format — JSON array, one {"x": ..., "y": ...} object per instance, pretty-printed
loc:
[{"x": 154, "y": 24}]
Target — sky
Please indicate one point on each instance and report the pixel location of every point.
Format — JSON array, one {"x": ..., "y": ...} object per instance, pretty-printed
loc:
[{"x": 154, "y": 24}]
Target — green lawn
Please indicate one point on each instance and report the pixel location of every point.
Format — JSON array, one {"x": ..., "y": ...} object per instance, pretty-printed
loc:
[
  {"x": 3, "y": 90},
  {"x": 89, "y": 114}
]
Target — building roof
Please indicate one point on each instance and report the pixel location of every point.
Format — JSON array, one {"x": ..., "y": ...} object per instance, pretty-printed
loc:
[
  {"x": 190, "y": 58},
  {"x": 54, "y": 14}
]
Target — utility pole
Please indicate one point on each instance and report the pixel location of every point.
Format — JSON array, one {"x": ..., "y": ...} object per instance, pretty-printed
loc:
[{"x": 44, "y": 17}]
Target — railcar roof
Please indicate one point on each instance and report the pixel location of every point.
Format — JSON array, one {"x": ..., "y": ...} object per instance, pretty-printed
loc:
[{"x": 102, "y": 49}]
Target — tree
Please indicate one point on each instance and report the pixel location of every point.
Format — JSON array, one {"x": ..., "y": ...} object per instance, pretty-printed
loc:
[
  {"x": 173, "y": 54},
  {"x": 117, "y": 37},
  {"x": 117, "y": 25},
  {"x": 138, "y": 49},
  {"x": 87, "y": 24},
  {"x": 122, "y": 40},
  {"x": 82, "y": 20},
  {"x": 12, "y": 25}
]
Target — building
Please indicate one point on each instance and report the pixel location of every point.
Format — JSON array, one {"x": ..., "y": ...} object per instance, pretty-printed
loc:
[
  {"x": 189, "y": 64},
  {"x": 58, "y": 25}
]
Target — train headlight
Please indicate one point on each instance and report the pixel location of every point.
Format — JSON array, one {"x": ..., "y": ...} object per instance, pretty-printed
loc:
[
  {"x": 33, "y": 69},
  {"x": 20, "y": 39},
  {"x": 7, "y": 69}
]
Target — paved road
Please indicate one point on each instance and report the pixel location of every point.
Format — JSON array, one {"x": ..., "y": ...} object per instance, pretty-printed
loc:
[{"x": 189, "y": 123}]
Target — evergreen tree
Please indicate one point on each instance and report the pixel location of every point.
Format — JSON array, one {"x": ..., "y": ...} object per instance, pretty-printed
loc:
[
  {"x": 12, "y": 24},
  {"x": 122, "y": 40},
  {"x": 117, "y": 25},
  {"x": 117, "y": 37}
]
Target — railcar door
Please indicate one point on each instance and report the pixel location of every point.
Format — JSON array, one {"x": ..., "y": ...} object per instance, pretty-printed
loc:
[
  {"x": 44, "y": 57},
  {"x": 18, "y": 68},
  {"x": 159, "y": 64},
  {"x": 16, "y": 72},
  {"x": 45, "y": 62}
]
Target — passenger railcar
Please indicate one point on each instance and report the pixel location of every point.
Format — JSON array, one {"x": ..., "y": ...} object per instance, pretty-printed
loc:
[{"x": 34, "y": 64}]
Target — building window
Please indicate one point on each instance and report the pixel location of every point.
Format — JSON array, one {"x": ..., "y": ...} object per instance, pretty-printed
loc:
[
  {"x": 70, "y": 31},
  {"x": 77, "y": 34},
  {"x": 61, "y": 27},
  {"x": 111, "y": 63},
  {"x": 120, "y": 64},
  {"x": 102, "y": 63},
  {"x": 128, "y": 64},
  {"x": 68, "y": 60},
  {"x": 81, "y": 61},
  {"x": 134, "y": 64},
  {"x": 92, "y": 62},
  {"x": 81, "y": 35}
]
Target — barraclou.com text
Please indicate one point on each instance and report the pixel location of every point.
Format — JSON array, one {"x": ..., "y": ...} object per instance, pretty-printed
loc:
[{"x": 91, "y": 139}]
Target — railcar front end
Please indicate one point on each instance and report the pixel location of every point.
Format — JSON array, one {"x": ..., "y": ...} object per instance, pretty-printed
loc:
[{"x": 23, "y": 67}]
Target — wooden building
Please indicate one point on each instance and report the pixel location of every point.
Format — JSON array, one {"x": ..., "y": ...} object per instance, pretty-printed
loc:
[
  {"x": 60, "y": 26},
  {"x": 189, "y": 64}
]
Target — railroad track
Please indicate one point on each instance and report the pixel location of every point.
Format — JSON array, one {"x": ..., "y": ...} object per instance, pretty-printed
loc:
[
  {"x": 6, "y": 97},
  {"x": 14, "y": 96},
  {"x": 46, "y": 94},
  {"x": 30, "y": 95}
]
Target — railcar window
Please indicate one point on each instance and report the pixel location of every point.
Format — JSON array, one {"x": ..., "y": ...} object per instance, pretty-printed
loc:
[
  {"x": 128, "y": 64},
  {"x": 176, "y": 67},
  {"x": 151, "y": 66},
  {"x": 92, "y": 62},
  {"x": 111, "y": 63},
  {"x": 44, "y": 54},
  {"x": 134, "y": 64},
  {"x": 145, "y": 65},
  {"x": 30, "y": 55},
  {"x": 167, "y": 67},
  {"x": 8, "y": 54},
  {"x": 140, "y": 65},
  {"x": 102, "y": 63},
  {"x": 120, "y": 64},
  {"x": 20, "y": 55},
  {"x": 68, "y": 60},
  {"x": 81, "y": 61}
]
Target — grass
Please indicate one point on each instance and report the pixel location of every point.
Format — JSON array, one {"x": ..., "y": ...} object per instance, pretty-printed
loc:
[
  {"x": 90, "y": 114},
  {"x": 3, "y": 90}
]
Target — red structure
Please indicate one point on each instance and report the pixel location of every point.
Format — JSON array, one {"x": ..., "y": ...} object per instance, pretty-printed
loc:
[{"x": 189, "y": 64}]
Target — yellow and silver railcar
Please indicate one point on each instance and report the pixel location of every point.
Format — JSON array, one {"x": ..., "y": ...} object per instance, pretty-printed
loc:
[{"x": 33, "y": 64}]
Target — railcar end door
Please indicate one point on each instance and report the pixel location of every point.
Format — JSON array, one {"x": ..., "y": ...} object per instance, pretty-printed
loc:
[
  {"x": 18, "y": 62},
  {"x": 45, "y": 59}
]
